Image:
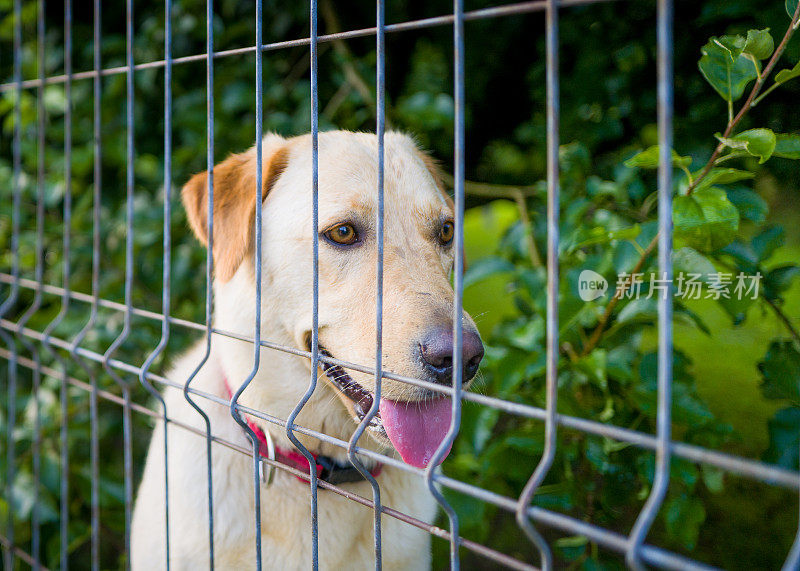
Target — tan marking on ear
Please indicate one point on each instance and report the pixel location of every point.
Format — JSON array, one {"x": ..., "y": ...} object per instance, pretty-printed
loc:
[{"x": 234, "y": 205}]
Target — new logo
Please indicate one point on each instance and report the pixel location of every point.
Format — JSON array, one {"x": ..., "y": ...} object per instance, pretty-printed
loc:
[{"x": 591, "y": 285}]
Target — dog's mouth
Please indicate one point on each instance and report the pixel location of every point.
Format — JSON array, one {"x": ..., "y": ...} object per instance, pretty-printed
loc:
[
  {"x": 361, "y": 397},
  {"x": 415, "y": 429}
]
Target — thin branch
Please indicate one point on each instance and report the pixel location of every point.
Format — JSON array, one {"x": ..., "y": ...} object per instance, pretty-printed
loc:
[
  {"x": 351, "y": 74},
  {"x": 761, "y": 97},
  {"x": 489, "y": 190},
  {"x": 515, "y": 193},
  {"x": 536, "y": 259},
  {"x": 751, "y": 98},
  {"x": 336, "y": 101},
  {"x": 621, "y": 289},
  {"x": 785, "y": 319}
]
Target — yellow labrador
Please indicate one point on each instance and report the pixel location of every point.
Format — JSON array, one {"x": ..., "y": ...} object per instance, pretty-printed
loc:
[{"x": 417, "y": 342}]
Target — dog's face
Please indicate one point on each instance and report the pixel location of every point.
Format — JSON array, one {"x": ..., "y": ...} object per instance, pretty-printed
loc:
[{"x": 418, "y": 259}]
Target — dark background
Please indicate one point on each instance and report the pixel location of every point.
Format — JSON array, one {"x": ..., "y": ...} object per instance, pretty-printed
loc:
[{"x": 608, "y": 107}]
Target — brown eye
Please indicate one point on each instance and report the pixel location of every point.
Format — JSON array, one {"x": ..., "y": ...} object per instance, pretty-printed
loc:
[
  {"x": 446, "y": 232},
  {"x": 342, "y": 234}
]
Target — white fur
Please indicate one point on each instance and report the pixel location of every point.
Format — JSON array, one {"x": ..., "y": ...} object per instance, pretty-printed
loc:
[{"x": 347, "y": 305}]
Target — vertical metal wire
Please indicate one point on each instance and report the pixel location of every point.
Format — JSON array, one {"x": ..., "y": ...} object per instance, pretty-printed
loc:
[
  {"x": 458, "y": 279},
  {"x": 65, "y": 298},
  {"x": 793, "y": 559},
  {"x": 257, "y": 254},
  {"x": 312, "y": 477},
  {"x": 73, "y": 350},
  {"x": 37, "y": 374},
  {"x": 17, "y": 163},
  {"x": 209, "y": 267},
  {"x": 664, "y": 416},
  {"x": 553, "y": 202},
  {"x": 380, "y": 127},
  {"x": 16, "y": 192},
  {"x": 98, "y": 169},
  {"x": 65, "y": 301},
  {"x": 126, "y": 327},
  {"x": 167, "y": 260},
  {"x": 37, "y": 298}
]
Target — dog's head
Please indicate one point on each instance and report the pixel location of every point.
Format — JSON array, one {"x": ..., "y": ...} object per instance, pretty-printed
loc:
[{"x": 418, "y": 258}]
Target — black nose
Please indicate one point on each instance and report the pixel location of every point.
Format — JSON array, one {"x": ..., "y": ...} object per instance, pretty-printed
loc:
[{"x": 436, "y": 350}]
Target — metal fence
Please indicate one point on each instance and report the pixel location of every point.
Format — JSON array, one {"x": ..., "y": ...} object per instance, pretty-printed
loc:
[{"x": 16, "y": 334}]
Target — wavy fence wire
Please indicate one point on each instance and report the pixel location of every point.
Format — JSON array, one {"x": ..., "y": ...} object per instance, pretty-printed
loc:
[{"x": 25, "y": 346}]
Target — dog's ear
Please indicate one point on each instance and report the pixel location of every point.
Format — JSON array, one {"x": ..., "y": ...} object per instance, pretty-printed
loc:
[{"x": 234, "y": 204}]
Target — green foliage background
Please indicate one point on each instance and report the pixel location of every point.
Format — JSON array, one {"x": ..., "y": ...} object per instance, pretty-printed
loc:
[{"x": 725, "y": 350}]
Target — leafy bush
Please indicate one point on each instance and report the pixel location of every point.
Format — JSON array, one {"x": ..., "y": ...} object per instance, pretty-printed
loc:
[{"x": 607, "y": 364}]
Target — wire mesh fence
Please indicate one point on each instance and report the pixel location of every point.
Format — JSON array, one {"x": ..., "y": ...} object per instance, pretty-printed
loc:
[{"x": 100, "y": 385}]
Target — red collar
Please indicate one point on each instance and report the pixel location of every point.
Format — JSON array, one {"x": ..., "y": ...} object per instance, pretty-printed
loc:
[{"x": 328, "y": 469}]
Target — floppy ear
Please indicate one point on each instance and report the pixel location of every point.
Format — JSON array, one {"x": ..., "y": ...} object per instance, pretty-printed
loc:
[{"x": 234, "y": 204}]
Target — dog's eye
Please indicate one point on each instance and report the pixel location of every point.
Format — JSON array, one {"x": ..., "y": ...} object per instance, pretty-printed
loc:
[
  {"x": 343, "y": 234},
  {"x": 446, "y": 232}
]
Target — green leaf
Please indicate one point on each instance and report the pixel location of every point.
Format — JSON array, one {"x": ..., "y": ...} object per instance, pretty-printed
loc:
[
  {"x": 689, "y": 261},
  {"x": 723, "y": 176},
  {"x": 713, "y": 478},
  {"x": 757, "y": 142},
  {"x": 784, "y": 438},
  {"x": 595, "y": 365},
  {"x": 688, "y": 317},
  {"x": 791, "y": 7},
  {"x": 767, "y": 241},
  {"x": 787, "y": 146},
  {"x": 639, "y": 309},
  {"x": 619, "y": 362},
  {"x": 706, "y": 220},
  {"x": 472, "y": 512},
  {"x": 486, "y": 421},
  {"x": 725, "y": 68},
  {"x": 779, "y": 279},
  {"x": 485, "y": 268},
  {"x": 750, "y": 205},
  {"x": 600, "y": 235},
  {"x": 785, "y": 75},
  {"x": 571, "y": 548},
  {"x": 780, "y": 370},
  {"x": 684, "y": 516},
  {"x": 759, "y": 44},
  {"x": 743, "y": 255},
  {"x": 733, "y": 44},
  {"x": 737, "y": 305},
  {"x": 648, "y": 159},
  {"x": 528, "y": 336}
]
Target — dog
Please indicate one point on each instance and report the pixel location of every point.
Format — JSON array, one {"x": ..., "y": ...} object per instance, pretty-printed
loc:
[{"x": 417, "y": 342}]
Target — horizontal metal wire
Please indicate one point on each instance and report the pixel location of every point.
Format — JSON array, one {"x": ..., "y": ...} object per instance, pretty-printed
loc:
[
  {"x": 497, "y": 556},
  {"x": 483, "y": 14},
  {"x": 568, "y": 524},
  {"x": 632, "y": 545},
  {"x": 727, "y": 462},
  {"x": 565, "y": 523}
]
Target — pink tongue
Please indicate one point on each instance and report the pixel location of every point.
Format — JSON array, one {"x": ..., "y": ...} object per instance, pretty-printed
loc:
[{"x": 416, "y": 429}]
